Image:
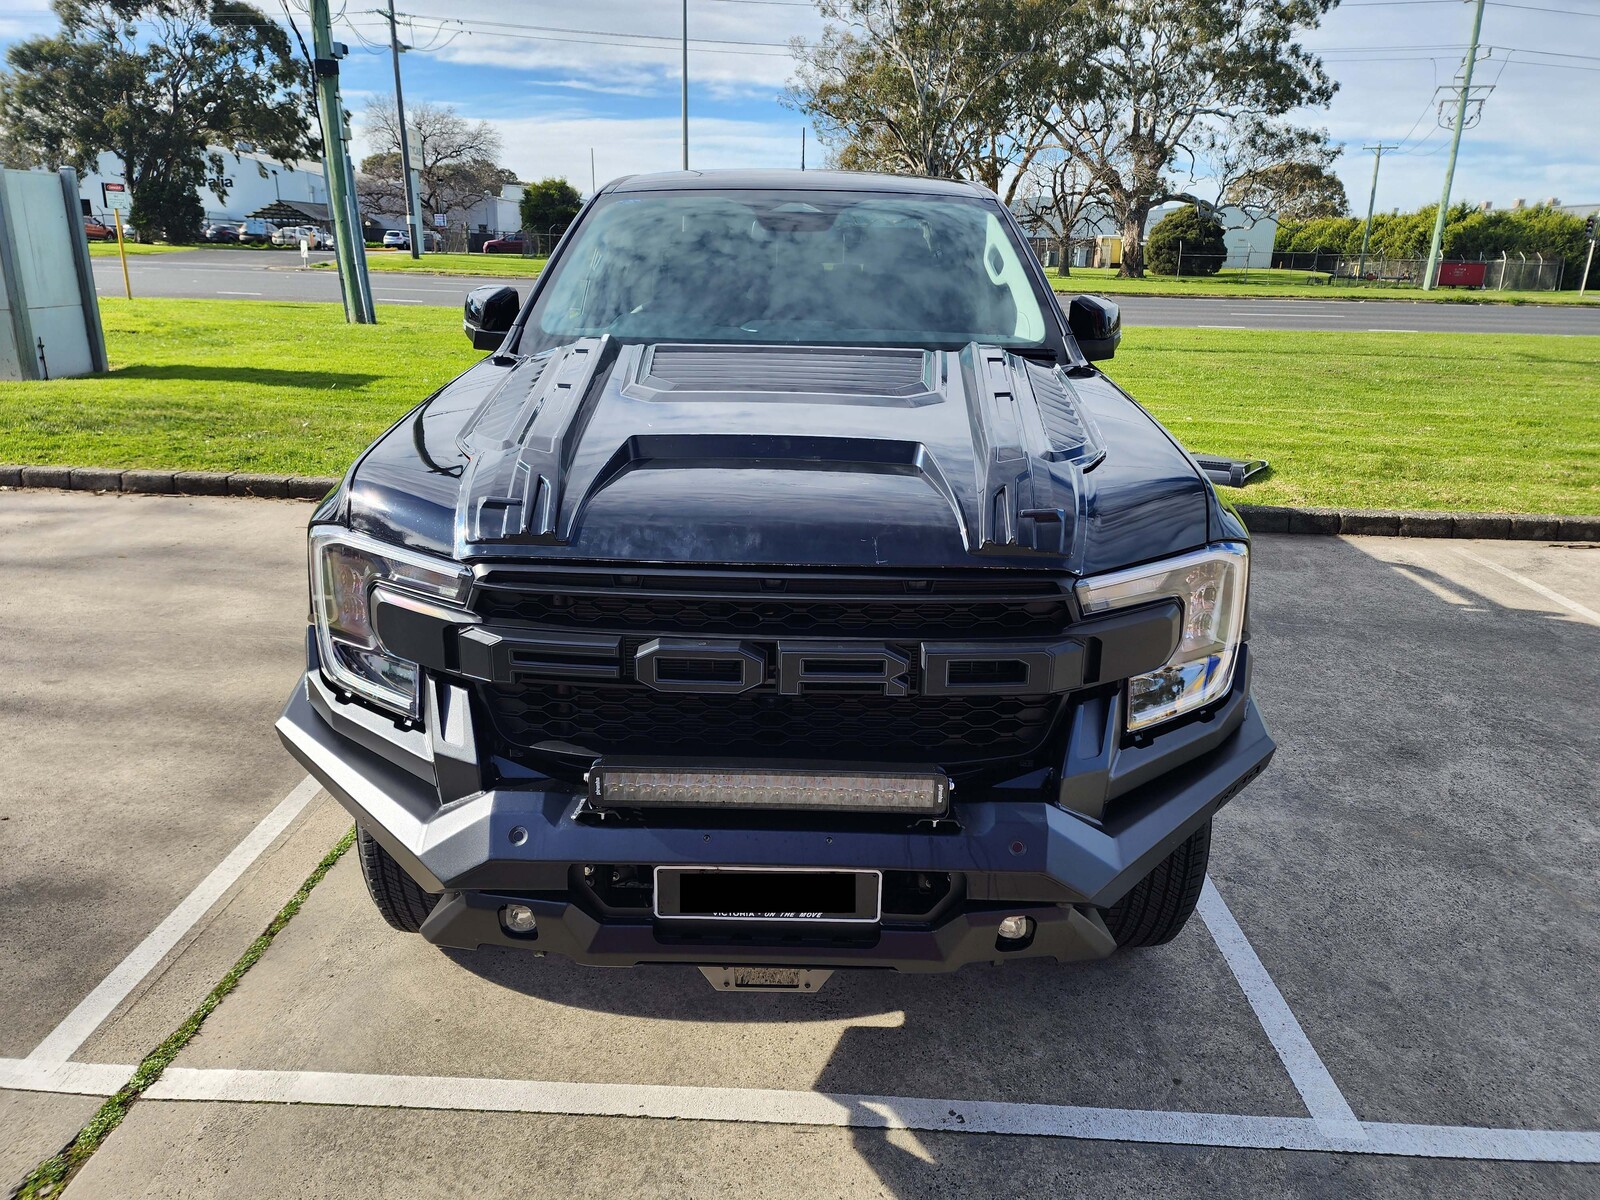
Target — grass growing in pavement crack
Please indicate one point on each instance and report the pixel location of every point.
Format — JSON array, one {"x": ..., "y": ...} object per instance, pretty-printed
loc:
[{"x": 52, "y": 1175}]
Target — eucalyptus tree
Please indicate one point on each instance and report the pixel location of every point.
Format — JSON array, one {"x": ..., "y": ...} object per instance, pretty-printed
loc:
[
  {"x": 928, "y": 87},
  {"x": 1148, "y": 87},
  {"x": 166, "y": 86}
]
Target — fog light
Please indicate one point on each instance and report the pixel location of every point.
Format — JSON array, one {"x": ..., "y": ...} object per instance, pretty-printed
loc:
[
  {"x": 517, "y": 918},
  {"x": 1015, "y": 929}
]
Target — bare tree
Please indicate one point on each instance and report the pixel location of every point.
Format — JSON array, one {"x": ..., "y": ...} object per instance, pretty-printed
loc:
[
  {"x": 1053, "y": 191},
  {"x": 455, "y": 159},
  {"x": 1165, "y": 79}
]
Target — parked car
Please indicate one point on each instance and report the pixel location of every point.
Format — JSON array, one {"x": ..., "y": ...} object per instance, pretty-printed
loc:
[
  {"x": 255, "y": 231},
  {"x": 288, "y": 235},
  {"x": 400, "y": 239},
  {"x": 99, "y": 231},
  {"x": 220, "y": 232},
  {"x": 787, "y": 590},
  {"x": 511, "y": 244}
]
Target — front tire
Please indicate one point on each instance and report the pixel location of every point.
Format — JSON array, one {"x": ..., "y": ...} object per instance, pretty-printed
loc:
[
  {"x": 1161, "y": 903},
  {"x": 399, "y": 898}
]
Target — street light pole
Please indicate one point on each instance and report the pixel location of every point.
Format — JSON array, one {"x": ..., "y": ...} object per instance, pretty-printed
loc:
[
  {"x": 1372, "y": 199},
  {"x": 685, "y": 95},
  {"x": 1463, "y": 94},
  {"x": 413, "y": 208}
]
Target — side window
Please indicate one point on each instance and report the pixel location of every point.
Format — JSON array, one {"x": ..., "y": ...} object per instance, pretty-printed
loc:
[{"x": 1005, "y": 269}]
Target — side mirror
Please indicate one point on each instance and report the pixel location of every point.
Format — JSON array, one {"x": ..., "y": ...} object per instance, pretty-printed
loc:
[
  {"x": 489, "y": 314},
  {"x": 1096, "y": 325}
]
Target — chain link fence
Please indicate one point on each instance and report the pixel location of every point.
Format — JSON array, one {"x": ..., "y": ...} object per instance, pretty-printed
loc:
[{"x": 1506, "y": 272}]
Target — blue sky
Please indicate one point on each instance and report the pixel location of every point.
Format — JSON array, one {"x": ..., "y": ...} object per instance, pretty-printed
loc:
[{"x": 553, "y": 95}]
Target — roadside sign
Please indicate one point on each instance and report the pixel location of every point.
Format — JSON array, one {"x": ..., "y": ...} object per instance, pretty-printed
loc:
[
  {"x": 117, "y": 197},
  {"x": 438, "y": 220}
]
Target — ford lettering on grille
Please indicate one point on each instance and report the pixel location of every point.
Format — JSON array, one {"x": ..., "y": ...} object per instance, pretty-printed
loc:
[{"x": 799, "y": 667}]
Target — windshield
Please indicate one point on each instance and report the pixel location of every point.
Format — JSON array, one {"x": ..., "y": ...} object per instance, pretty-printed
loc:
[{"x": 850, "y": 268}]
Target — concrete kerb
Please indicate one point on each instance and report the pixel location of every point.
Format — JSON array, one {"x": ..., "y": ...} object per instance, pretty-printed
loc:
[
  {"x": 1260, "y": 518},
  {"x": 170, "y": 483}
]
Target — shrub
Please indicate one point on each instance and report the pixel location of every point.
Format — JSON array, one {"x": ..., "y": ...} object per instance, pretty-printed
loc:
[{"x": 1202, "y": 248}]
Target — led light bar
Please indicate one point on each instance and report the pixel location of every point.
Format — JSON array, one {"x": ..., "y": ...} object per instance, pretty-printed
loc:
[{"x": 615, "y": 785}]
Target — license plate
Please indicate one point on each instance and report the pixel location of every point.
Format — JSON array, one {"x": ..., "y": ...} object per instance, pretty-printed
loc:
[{"x": 767, "y": 894}]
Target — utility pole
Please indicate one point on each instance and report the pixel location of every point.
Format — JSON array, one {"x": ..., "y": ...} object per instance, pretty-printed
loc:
[
  {"x": 1372, "y": 198},
  {"x": 1583, "y": 284},
  {"x": 685, "y": 85},
  {"x": 413, "y": 204},
  {"x": 802, "y": 147},
  {"x": 337, "y": 172},
  {"x": 1463, "y": 96}
]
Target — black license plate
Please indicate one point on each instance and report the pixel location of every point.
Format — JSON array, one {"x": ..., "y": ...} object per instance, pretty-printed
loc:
[{"x": 749, "y": 894}]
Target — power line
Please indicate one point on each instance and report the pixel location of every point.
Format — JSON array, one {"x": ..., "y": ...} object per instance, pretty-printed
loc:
[
  {"x": 1570, "y": 12},
  {"x": 653, "y": 37}
]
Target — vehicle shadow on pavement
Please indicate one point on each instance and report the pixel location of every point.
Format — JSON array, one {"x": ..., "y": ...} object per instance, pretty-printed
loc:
[{"x": 1151, "y": 1029}]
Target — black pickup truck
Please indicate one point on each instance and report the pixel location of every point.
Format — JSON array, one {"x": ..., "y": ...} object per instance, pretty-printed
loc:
[{"x": 786, "y": 591}]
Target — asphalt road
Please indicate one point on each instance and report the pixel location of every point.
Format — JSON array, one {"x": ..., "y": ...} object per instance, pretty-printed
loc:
[
  {"x": 236, "y": 274},
  {"x": 1415, "y": 873}
]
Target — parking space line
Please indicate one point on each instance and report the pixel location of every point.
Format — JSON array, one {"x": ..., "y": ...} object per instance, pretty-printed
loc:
[
  {"x": 764, "y": 1106},
  {"x": 1322, "y": 1097},
  {"x": 74, "y": 1030},
  {"x": 1533, "y": 585},
  {"x": 75, "y": 1079},
  {"x": 773, "y": 1107}
]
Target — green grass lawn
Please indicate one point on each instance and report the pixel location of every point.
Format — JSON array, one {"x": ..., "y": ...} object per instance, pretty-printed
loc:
[
  {"x": 1491, "y": 422},
  {"x": 500, "y": 266},
  {"x": 1289, "y": 285}
]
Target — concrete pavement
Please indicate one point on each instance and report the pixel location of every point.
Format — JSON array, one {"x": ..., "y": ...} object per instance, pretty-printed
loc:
[
  {"x": 1415, "y": 873},
  {"x": 238, "y": 275}
]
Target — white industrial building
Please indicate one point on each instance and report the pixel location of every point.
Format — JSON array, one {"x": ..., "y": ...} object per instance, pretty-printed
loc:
[{"x": 250, "y": 181}]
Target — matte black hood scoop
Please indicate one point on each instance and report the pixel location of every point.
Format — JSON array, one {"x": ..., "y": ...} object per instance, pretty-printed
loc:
[{"x": 913, "y": 449}]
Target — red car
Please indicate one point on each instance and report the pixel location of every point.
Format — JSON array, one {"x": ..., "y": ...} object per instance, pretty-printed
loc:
[
  {"x": 97, "y": 232},
  {"x": 504, "y": 245}
]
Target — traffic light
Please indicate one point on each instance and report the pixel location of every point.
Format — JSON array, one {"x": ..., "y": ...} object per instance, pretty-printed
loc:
[{"x": 1588, "y": 227}]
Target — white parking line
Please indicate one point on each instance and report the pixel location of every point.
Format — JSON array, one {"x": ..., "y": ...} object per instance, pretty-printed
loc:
[
  {"x": 221, "y": 292},
  {"x": 1393, "y": 331},
  {"x": 1533, "y": 585},
  {"x": 73, "y": 1079},
  {"x": 766, "y": 1106},
  {"x": 397, "y": 300},
  {"x": 99, "y": 1004},
  {"x": 1322, "y": 1097}
]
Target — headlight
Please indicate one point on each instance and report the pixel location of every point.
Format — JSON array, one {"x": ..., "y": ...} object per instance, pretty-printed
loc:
[
  {"x": 1211, "y": 584},
  {"x": 345, "y": 570}
]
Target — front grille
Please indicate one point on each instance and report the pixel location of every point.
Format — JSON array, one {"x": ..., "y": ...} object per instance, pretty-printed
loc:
[
  {"x": 761, "y": 724},
  {"x": 561, "y": 722},
  {"x": 746, "y": 605}
]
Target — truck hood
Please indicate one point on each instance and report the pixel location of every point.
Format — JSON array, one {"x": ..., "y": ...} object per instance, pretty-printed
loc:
[{"x": 784, "y": 456}]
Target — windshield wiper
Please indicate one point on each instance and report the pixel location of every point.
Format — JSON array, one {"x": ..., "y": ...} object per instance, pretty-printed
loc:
[{"x": 1037, "y": 354}]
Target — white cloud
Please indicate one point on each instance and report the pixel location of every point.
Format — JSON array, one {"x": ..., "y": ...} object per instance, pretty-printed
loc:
[
  {"x": 560, "y": 144},
  {"x": 1535, "y": 135}
]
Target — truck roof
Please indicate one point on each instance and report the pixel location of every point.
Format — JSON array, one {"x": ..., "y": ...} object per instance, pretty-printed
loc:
[{"x": 773, "y": 179}]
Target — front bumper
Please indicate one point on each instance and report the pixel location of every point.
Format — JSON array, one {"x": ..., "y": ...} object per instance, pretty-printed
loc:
[{"x": 1133, "y": 806}]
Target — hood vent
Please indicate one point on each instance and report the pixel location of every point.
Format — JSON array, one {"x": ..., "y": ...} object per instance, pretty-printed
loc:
[
  {"x": 812, "y": 371},
  {"x": 1072, "y": 434}
]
